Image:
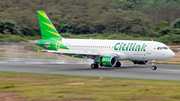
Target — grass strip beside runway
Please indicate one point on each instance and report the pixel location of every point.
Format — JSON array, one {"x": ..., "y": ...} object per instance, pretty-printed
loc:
[{"x": 55, "y": 87}]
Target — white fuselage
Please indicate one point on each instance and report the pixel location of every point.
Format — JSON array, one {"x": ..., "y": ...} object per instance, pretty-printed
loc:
[{"x": 125, "y": 49}]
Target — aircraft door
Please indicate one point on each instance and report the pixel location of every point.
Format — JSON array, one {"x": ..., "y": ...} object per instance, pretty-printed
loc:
[{"x": 148, "y": 51}]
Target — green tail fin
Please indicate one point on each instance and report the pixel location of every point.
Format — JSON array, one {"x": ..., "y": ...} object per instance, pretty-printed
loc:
[{"x": 47, "y": 28}]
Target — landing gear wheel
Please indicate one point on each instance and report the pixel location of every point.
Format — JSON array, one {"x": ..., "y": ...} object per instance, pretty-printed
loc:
[
  {"x": 118, "y": 64},
  {"x": 153, "y": 67},
  {"x": 94, "y": 66}
]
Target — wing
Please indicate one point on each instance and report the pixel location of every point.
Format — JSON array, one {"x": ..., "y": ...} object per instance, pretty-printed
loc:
[
  {"x": 87, "y": 53},
  {"x": 73, "y": 52}
]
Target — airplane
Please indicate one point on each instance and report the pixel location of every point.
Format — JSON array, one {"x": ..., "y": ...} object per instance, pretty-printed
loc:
[{"x": 106, "y": 53}]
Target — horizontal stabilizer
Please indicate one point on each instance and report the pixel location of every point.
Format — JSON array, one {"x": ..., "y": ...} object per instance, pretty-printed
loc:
[{"x": 38, "y": 43}]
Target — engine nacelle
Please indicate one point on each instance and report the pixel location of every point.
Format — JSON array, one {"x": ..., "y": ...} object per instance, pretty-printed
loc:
[
  {"x": 140, "y": 62},
  {"x": 107, "y": 61}
]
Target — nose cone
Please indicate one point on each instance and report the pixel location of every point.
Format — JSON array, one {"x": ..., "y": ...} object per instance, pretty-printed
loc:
[{"x": 171, "y": 54}]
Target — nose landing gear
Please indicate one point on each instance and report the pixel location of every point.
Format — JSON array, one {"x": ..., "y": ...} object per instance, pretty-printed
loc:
[{"x": 153, "y": 65}]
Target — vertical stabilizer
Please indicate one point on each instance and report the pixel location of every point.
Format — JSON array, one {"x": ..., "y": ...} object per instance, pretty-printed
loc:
[{"x": 46, "y": 27}]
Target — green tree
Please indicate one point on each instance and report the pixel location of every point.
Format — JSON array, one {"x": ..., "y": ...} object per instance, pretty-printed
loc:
[
  {"x": 170, "y": 39},
  {"x": 164, "y": 31},
  {"x": 62, "y": 26},
  {"x": 161, "y": 24},
  {"x": 9, "y": 26},
  {"x": 176, "y": 23}
]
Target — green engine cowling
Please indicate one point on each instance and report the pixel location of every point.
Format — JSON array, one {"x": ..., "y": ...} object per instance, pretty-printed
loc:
[
  {"x": 140, "y": 62},
  {"x": 107, "y": 61}
]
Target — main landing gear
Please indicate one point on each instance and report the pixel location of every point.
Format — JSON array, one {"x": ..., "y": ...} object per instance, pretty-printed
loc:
[
  {"x": 153, "y": 65},
  {"x": 118, "y": 64},
  {"x": 94, "y": 66}
]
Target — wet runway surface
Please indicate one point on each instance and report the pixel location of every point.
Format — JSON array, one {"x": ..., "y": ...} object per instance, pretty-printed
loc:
[{"x": 82, "y": 68}]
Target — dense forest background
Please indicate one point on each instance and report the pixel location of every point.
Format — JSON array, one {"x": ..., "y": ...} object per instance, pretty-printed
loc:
[{"x": 104, "y": 19}]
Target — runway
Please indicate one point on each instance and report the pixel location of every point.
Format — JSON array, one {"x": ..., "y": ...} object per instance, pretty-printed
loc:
[{"x": 82, "y": 68}]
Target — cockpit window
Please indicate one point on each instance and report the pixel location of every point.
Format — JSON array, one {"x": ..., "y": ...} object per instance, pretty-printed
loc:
[{"x": 162, "y": 48}]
